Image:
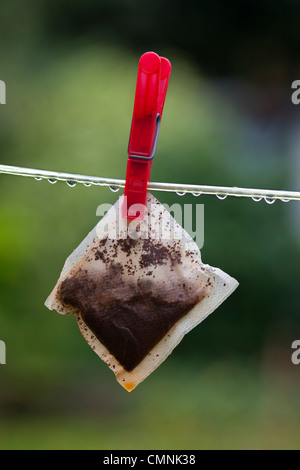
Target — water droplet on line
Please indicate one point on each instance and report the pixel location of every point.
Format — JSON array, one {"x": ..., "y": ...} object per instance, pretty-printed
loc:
[
  {"x": 52, "y": 180},
  {"x": 196, "y": 194},
  {"x": 285, "y": 200},
  {"x": 221, "y": 196},
  {"x": 256, "y": 199},
  {"x": 38, "y": 178},
  {"x": 87, "y": 184},
  {"x": 71, "y": 183},
  {"x": 114, "y": 189},
  {"x": 180, "y": 194},
  {"x": 270, "y": 200}
]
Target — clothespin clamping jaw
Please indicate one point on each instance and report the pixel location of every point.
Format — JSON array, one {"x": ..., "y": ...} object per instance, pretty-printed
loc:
[{"x": 151, "y": 88}]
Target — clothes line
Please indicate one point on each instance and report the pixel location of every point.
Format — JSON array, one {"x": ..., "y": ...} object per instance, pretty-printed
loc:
[{"x": 268, "y": 195}]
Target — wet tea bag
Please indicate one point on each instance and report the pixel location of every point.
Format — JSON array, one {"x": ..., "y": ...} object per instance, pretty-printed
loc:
[{"x": 136, "y": 289}]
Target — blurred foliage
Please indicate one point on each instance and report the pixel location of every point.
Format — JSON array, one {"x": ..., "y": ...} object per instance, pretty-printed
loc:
[
  {"x": 224, "y": 406},
  {"x": 70, "y": 70}
]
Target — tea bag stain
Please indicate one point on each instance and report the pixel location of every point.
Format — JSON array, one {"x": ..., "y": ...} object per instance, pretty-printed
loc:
[{"x": 128, "y": 318}]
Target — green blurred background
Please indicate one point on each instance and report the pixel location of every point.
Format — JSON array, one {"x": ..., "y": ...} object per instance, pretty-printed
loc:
[{"x": 70, "y": 71}]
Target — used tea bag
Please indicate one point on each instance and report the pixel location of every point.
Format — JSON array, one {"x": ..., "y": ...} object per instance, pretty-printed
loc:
[{"x": 136, "y": 289}]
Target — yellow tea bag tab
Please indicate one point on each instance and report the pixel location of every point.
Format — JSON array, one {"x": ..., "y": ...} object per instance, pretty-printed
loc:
[{"x": 136, "y": 289}]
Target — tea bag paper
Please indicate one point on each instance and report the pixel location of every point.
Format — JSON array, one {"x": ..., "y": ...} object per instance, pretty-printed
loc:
[{"x": 136, "y": 289}]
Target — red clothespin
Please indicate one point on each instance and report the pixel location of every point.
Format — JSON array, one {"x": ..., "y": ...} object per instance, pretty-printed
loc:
[{"x": 151, "y": 88}]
